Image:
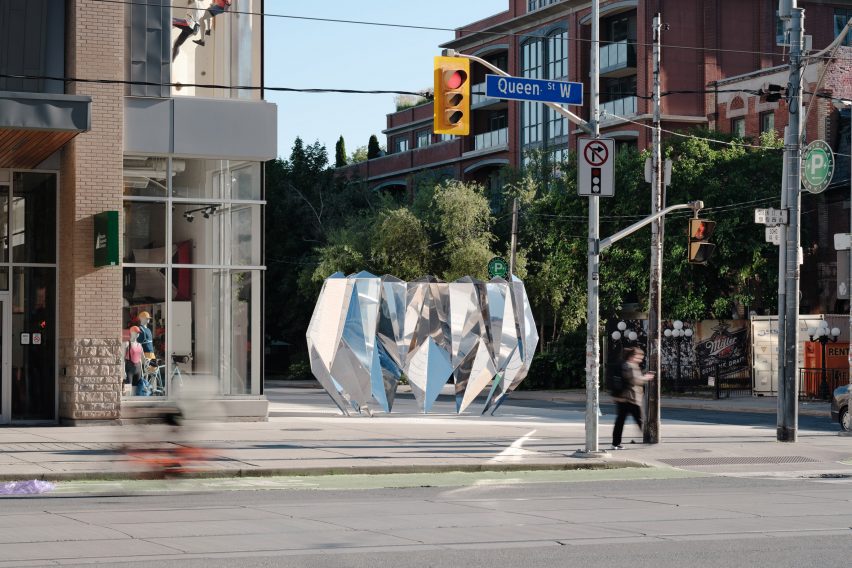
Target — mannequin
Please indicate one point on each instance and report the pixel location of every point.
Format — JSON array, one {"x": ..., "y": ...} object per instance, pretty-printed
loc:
[
  {"x": 146, "y": 338},
  {"x": 133, "y": 358},
  {"x": 188, "y": 26},
  {"x": 216, "y": 8}
]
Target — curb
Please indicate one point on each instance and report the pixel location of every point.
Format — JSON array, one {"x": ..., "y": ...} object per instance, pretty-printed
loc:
[{"x": 597, "y": 464}]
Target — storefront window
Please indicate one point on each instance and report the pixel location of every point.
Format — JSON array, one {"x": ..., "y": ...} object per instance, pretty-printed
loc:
[
  {"x": 144, "y": 299},
  {"x": 146, "y": 176},
  {"x": 34, "y": 344},
  {"x": 216, "y": 42},
  {"x": 4, "y": 222},
  {"x": 202, "y": 240},
  {"x": 144, "y": 232},
  {"x": 246, "y": 228},
  {"x": 34, "y": 217},
  {"x": 245, "y": 309}
]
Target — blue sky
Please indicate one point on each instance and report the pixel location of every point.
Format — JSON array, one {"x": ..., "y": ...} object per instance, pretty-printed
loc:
[{"x": 310, "y": 54}]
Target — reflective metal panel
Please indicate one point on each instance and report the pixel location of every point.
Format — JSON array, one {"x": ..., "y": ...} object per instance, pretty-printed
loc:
[{"x": 367, "y": 332}]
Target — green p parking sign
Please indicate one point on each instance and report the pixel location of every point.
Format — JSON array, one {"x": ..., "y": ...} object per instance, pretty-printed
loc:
[{"x": 817, "y": 166}]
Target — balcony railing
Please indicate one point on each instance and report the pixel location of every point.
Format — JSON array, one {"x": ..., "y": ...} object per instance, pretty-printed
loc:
[
  {"x": 618, "y": 56},
  {"x": 477, "y": 95},
  {"x": 491, "y": 139},
  {"x": 620, "y": 107}
]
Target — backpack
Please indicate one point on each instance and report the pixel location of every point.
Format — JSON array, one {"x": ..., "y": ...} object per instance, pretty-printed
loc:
[{"x": 615, "y": 384}]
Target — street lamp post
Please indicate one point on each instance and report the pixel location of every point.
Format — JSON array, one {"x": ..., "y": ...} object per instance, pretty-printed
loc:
[
  {"x": 822, "y": 334},
  {"x": 678, "y": 333}
]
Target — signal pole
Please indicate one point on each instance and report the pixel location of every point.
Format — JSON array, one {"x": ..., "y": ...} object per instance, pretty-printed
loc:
[
  {"x": 514, "y": 244},
  {"x": 593, "y": 348},
  {"x": 651, "y": 426},
  {"x": 788, "y": 392}
]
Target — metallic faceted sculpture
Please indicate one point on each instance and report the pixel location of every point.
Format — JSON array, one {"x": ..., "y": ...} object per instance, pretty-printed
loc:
[{"x": 366, "y": 332}]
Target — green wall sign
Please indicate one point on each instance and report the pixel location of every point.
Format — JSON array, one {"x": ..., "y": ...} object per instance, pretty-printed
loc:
[{"x": 106, "y": 238}]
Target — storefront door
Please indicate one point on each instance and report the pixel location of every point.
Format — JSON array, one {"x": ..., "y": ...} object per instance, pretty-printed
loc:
[{"x": 5, "y": 359}]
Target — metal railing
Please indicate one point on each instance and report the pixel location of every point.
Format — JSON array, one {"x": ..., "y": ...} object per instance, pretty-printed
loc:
[
  {"x": 618, "y": 55},
  {"x": 717, "y": 383},
  {"x": 811, "y": 385},
  {"x": 492, "y": 139},
  {"x": 620, "y": 107}
]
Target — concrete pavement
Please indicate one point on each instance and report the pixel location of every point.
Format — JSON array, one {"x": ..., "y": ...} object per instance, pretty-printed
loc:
[{"x": 306, "y": 436}]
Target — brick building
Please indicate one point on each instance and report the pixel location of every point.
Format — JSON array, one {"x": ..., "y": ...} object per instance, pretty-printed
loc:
[
  {"x": 706, "y": 42},
  {"x": 168, "y": 149}
]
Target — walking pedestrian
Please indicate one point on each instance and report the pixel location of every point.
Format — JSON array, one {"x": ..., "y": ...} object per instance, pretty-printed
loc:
[{"x": 628, "y": 400}]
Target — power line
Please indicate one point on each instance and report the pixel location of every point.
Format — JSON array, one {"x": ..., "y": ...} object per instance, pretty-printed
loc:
[{"x": 781, "y": 54}]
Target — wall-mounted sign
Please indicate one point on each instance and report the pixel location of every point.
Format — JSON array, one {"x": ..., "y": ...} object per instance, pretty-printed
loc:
[
  {"x": 106, "y": 238},
  {"x": 36, "y": 339},
  {"x": 25, "y": 339}
]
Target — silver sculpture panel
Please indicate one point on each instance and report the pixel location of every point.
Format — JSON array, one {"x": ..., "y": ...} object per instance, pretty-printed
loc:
[{"x": 368, "y": 332}]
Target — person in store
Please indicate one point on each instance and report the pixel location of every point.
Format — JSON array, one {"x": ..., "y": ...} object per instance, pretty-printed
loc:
[{"x": 216, "y": 8}]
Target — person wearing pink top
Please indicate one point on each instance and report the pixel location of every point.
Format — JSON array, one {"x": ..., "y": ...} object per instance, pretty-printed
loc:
[{"x": 133, "y": 358}]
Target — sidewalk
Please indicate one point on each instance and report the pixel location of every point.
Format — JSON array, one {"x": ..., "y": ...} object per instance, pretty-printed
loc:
[{"x": 306, "y": 436}]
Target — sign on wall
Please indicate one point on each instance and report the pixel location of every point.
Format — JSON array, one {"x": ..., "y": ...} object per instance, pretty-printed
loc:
[{"x": 106, "y": 238}]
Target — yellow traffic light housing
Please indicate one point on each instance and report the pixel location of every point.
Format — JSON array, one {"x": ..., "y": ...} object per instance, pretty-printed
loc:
[
  {"x": 700, "y": 250},
  {"x": 452, "y": 96}
]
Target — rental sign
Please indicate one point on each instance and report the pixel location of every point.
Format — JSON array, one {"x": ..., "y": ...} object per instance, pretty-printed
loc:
[{"x": 541, "y": 90}]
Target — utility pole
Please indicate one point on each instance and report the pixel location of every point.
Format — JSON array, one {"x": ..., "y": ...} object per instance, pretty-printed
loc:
[
  {"x": 788, "y": 392},
  {"x": 513, "y": 247},
  {"x": 651, "y": 426},
  {"x": 593, "y": 347}
]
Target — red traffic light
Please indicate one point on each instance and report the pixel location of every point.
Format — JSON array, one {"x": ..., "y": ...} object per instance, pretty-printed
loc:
[{"x": 455, "y": 79}]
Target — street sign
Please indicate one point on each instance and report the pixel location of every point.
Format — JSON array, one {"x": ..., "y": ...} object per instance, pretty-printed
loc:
[
  {"x": 773, "y": 235},
  {"x": 542, "y": 90},
  {"x": 596, "y": 157},
  {"x": 667, "y": 171},
  {"x": 817, "y": 166},
  {"x": 770, "y": 217},
  {"x": 498, "y": 267}
]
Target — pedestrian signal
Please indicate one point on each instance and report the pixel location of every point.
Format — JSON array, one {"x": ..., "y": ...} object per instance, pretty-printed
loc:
[
  {"x": 699, "y": 250},
  {"x": 452, "y": 96}
]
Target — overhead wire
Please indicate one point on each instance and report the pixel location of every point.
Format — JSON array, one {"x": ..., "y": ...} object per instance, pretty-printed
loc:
[{"x": 455, "y": 30}]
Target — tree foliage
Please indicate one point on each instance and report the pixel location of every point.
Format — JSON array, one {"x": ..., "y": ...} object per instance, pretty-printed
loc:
[
  {"x": 373, "y": 148},
  {"x": 340, "y": 153},
  {"x": 319, "y": 225}
]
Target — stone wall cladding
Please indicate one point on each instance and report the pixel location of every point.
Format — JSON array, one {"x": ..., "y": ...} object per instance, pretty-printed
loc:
[
  {"x": 90, "y": 299},
  {"x": 91, "y": 386}
]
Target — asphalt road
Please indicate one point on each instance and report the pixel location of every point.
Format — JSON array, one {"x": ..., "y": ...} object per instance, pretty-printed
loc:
[{"x": 677, "y": 522}]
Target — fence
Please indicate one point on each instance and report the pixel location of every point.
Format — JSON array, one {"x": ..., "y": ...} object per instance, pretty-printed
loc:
[
  {"x": 718, "y": 385},
  {"x": 811, "y": 384}
]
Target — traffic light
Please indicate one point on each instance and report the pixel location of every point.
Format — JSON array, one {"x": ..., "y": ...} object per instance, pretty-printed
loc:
[
  {"x": 452, "y": 96},
  {"x": 700, "y": 231}
]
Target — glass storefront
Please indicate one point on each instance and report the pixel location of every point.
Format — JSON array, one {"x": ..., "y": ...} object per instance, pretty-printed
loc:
[
  {"x": 28, "y": 291},
  {"x": 192, "y": 258}
]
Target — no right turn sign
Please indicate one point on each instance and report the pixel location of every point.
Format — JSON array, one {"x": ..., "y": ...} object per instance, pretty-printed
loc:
[{"x": 595, "y": 171}]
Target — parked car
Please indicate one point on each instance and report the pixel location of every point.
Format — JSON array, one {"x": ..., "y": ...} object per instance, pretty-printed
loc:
[{"x": 840, "y": 407}]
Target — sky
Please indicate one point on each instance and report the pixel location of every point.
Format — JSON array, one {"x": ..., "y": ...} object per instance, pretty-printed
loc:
[{"x": 311, "y": 54}]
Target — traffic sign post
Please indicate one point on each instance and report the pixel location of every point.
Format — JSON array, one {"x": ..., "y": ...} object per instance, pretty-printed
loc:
[
  {"x": 595, "y": 158},
  {"x": 817, "y": 166},
  {"x": 770, "y": 217},
  {"x": 542, "y": 90}
]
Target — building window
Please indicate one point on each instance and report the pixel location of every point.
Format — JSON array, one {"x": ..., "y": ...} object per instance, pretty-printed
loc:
[
  {"x": 191, "y": 273},
  {"x": 446, "y": 137},
  {"x": 557, "y": 69},
  {"x": 424, "y": 138},
  {"x": 533, "y": 5},
  {"x": 532, "y": 119},
  {"x": 400, "y": 144},
  {"x": 780, "y": 31},
  {"x": 738, "y": 127},
  {"x": 767, "y": 121},
  {"x": 841, "y": 16}
]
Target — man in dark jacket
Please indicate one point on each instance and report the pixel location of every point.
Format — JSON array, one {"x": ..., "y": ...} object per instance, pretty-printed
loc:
[{"x": 629, "y": 400}]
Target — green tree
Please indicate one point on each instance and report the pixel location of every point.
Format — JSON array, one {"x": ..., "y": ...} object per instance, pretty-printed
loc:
[
  {"x": 373, "y": 148},
  {"x": 358, "y": 155},
  {"x": 340, "y": 153},
  {"x": 462, "y": 218},
  {"x": 400, "y": 245}
]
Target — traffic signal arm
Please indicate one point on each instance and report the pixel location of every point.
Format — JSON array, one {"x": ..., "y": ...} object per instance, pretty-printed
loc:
[{"x": 452, "y": 96}]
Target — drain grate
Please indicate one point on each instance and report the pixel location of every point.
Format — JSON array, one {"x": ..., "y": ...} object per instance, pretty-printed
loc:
[{"x": 764, "y": 460}]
